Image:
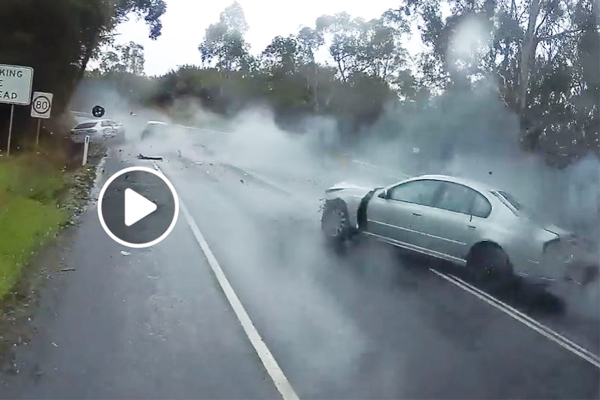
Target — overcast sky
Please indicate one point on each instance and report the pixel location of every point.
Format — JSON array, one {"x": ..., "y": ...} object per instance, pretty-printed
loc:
[{"x": 186, "y": 20}]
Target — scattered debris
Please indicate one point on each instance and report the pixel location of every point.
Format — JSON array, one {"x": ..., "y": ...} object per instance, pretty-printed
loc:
[
  {"x": 67, "y": 269},
  {"x": 154, "y": 158},
  {"x": 125, "y": 253}
]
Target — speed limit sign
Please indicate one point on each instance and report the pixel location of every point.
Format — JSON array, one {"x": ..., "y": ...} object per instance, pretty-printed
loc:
[{"x": 41, "y": 105}]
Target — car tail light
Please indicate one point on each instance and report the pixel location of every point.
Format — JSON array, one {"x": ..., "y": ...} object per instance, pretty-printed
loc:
[{"x": 557, "y": 250}]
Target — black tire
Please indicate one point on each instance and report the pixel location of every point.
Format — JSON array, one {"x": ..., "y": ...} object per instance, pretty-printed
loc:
[
  {"x": 489, "y": 264},
  {"x": 335, "y": 223}
]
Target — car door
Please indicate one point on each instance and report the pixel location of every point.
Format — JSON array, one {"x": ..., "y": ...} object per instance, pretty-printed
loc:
[
  {"x": 396, "y": 214},
  {"x": 449, "y": 225}
]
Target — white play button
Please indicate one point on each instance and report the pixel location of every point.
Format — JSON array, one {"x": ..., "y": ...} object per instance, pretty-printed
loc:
[{"x": 137, "y": 207}]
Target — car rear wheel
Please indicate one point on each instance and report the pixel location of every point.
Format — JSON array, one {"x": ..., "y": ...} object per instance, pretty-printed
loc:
[
  {"x": 490, "y": 264},
  {"x": 335, "y": 223}
]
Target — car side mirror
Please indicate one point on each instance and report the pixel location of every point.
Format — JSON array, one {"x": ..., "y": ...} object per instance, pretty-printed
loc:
[{"x": 383, "y": 194}]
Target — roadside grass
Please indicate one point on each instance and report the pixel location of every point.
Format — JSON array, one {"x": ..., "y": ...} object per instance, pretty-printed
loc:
[
  {"x": 31, "y": 188},
  {"x": 39, "y": 198}
]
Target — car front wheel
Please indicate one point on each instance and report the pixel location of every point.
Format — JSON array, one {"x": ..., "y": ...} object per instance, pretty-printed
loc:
[{"x": 335, "y": 223}]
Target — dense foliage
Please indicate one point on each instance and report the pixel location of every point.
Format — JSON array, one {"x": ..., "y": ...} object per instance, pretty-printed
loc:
[{"x": 58, "y": 38}]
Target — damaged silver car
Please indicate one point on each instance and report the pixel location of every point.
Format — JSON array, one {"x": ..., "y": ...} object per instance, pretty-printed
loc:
[{"x": 461, "y": 221}]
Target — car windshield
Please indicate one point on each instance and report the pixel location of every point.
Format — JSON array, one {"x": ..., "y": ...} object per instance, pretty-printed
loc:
[{"x": 191, "y": 199}]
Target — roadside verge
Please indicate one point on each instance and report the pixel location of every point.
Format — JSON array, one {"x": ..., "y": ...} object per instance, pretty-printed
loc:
[{"x": 39, "y": 197}]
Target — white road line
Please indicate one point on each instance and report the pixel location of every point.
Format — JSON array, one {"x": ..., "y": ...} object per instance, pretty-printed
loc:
[
  {"x": 525, "y": 320},
  {"x": 364, "y": 163},
  {"x": 203, "y": 130},
  {"x": 388, "y": 170},
  {"x": 279, "y": 379},
  {"x": 528, "y": 318}
]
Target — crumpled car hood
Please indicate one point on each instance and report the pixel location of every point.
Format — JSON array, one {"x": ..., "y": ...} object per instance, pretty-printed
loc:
[
  {"x": 347, "y": 185},
  {"x": 344, "y": 189}
]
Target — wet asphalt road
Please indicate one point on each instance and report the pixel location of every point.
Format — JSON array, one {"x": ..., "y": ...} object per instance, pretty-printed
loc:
[{"x": 155, "y": 324}]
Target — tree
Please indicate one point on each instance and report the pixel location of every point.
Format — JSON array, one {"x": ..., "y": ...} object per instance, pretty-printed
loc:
[
  {"x": 224, "y": 41},
  {"x": 58, "y": 38},
  {"x": 97, "y": 27},
  {"x": 532, "y": 49},
  {"x": 126, "y": 58},
  {"x": 528, "y": 53},
  {"x": 363, "y": 47},
  {"x": 308, "y": 42},
  {"x": 345, "y": 37},
  {"x": 132, "y": 57},
  {"x": 380, "y": 53},
  {"x": 281, "y": 55}
]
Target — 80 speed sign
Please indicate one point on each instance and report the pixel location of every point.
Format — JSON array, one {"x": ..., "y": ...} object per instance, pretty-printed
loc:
[{"x": 41, "y": 105}]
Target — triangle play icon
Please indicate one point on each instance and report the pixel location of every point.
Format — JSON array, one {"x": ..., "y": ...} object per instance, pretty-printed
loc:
[{"x": 137, "y": 207}]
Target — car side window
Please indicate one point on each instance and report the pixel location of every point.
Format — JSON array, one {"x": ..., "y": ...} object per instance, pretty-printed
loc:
[
  {"x": 456, "y": 198},
  {"x": 418, "y": 192},
  {"x": 481, "y": 206},
  {"x": 86, "y": 125},
  {"x": 106, "y": 123}
]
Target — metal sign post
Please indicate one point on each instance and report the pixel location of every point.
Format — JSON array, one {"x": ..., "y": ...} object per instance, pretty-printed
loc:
[
  {"x": 12, "y": 114},
  {"x": 86, "y": 146},
  {"x": 41, "y": 107},
  {"x": 37, "y": 135}
]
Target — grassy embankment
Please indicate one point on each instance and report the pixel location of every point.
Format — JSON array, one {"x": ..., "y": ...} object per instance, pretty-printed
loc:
[{"x": 37, "y": 198}]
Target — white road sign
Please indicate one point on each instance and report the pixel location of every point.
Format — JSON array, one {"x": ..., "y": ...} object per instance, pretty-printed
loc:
[
  {"x": 41, "y": 105},
  {"x": 15, "y": 84}
]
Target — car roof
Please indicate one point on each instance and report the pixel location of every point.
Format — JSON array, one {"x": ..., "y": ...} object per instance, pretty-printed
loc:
[
  {"x": 481, "y": 187},
  {"x": 96, "y": 120}
]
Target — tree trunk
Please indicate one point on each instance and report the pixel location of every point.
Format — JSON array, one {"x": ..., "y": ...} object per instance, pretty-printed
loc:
[
  {"x": 527, "y": 55},
  {"x": 316, "y": 90}
]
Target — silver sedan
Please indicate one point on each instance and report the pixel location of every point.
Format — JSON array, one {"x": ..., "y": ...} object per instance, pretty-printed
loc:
[
  {"x": 461, "y": 221},
  {"x": 98, "y": 130}
]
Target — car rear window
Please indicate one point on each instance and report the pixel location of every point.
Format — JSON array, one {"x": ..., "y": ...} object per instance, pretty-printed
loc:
[
  {"x": 481, "y": 207},
  {"x": 456, "y": 198},
  {"x": 86, "y": 125},
  {"x": 511, "y": 199}
]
